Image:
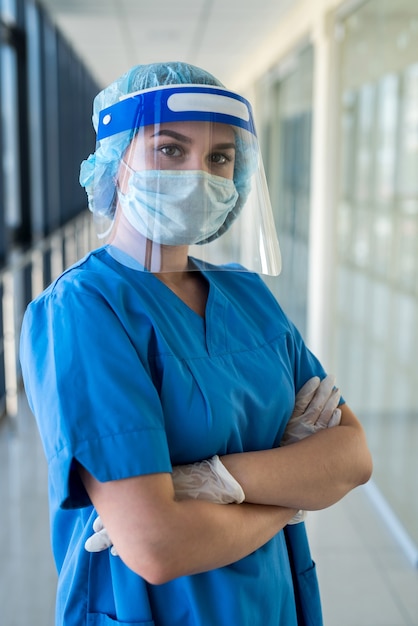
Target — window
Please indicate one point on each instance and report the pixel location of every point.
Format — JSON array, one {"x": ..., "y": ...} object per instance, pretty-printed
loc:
[
  {"x": 377, "y": 217},
  {"x": 286, "y": 106}
]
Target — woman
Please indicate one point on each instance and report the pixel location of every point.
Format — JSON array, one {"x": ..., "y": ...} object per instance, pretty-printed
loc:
[{"x": 163, "y": 348}]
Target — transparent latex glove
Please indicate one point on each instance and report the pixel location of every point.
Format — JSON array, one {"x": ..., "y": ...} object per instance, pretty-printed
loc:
[
  {"x": 300, "y": 516},
  {"x": 316, "y": 408},
  {"x": 100, "y": 540},
  {"x": 205, "y": 480}
]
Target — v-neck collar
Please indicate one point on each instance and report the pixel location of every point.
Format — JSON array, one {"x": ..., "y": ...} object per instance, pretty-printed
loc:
[{"x": 213, "y": 324}]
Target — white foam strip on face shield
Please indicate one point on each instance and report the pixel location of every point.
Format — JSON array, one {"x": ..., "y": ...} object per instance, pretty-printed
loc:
[
  {"x": 209, "y": 103},
  {"x": 205, "y": 102}
]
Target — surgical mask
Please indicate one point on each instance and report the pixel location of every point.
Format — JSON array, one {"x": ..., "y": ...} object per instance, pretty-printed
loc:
[{"x": 177, "y": 207}]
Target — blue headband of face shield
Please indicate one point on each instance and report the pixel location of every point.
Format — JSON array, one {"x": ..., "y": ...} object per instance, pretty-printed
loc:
[{"x": 178, "y": 103}]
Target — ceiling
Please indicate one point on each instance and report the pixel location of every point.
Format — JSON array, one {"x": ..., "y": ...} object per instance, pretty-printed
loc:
[{"x": 218, "y": 35}]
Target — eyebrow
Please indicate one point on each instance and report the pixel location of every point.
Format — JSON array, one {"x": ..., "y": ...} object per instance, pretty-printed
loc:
[
  {"x": 185, "y": 139},
  {"x": 173, "y": 134}
]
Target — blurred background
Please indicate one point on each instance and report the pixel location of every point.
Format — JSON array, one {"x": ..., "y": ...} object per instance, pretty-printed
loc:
[{"x": 334, "y": 85}]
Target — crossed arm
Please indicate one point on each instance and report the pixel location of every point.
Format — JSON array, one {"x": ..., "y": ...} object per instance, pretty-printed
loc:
[
  {"x": 161, "y": 538},
  {"x": 311, "y": 474}
]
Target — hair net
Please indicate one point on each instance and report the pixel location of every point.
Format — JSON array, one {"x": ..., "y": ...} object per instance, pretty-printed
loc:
[{"x": 98, "y": 172}]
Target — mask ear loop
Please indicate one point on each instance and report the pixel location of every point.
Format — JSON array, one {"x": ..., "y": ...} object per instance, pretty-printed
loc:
[
  {"x": 125, "y": 176},
  {"x": 106, "y": 232}
]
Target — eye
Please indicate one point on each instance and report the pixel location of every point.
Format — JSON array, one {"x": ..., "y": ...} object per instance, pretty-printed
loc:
[
  {"x": 171, "y": 150},
  {"x": 220, "y": 158}
]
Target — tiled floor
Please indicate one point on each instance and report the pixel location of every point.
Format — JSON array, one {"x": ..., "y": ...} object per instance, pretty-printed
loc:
[
  {"x": 366, "y": 579},
  {"x": 27, "y": 575},
  {"x": 393, "y": 440}
]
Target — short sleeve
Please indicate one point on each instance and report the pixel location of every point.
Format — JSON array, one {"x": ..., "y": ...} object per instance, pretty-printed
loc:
[
  {"x": 91, "y": 393},
  {"x": 306, "y": 365}
]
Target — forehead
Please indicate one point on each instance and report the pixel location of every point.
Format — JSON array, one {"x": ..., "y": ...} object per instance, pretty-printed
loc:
[{"x": 191, "y": 131}]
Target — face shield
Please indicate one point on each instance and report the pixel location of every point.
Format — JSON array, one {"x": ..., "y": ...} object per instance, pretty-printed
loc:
[{"x": 185, "y": 170}]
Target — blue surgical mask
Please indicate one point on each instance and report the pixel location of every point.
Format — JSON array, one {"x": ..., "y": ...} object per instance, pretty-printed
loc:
[{"x": 177, "y": 207}]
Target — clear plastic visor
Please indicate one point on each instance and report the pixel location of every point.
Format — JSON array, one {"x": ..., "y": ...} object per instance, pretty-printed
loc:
[{"x": 189, "y": 190}]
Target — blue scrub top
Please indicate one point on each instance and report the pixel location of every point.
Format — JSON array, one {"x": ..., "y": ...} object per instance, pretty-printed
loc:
[{"x": 124, "y": 377}]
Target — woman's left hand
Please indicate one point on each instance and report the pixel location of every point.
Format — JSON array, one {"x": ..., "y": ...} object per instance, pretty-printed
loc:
[{"x": 316, "y": 408}]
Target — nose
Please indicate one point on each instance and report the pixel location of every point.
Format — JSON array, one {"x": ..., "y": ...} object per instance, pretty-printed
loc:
[{"x": 197, "y": 161}]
